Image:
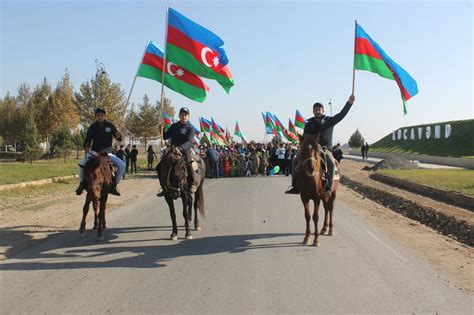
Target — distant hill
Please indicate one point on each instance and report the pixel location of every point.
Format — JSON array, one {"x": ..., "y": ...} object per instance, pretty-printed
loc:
[{"x": 460, "y": 143}]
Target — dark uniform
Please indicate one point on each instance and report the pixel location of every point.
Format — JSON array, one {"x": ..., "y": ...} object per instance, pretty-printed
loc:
[{"x": 101, "y": 136}]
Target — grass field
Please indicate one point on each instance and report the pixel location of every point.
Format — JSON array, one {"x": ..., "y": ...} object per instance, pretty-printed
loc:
[
  {"x": 461, "y": 181},
  {"x": 17, "y": 172}
]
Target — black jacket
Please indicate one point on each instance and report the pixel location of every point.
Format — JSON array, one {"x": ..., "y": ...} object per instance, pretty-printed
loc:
[
  {"x": 324, "y": 126},
  {"x": 182, "y": 135},
  {"x": 100, "y": 135}
]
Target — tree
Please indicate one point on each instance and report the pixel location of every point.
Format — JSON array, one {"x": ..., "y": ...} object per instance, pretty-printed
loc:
[
  {"x": 11, "y": 120},
  {"x": 61, "y": 142},
  {"x": 101, "y": 92},
  {"x": 41, "y": 106},
  {"x": 63, "y": 105},
  {"x": 356, "y": 140},
  {"x": 78, "y": 140},
  {"x": 131, "y": 125},
  {"x": 148, "y": 120},
  {"x": 30, "y": 140}
]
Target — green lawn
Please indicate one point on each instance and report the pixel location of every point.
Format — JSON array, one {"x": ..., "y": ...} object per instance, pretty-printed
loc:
[
  {"x": 461, "y": 181},
  {"x": 17, "y": 172}
]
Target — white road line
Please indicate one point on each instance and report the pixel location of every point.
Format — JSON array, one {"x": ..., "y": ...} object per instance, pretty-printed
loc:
[{"x": 388, "y": 247}]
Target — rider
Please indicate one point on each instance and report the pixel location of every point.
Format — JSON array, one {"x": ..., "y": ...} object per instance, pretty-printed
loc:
[
  {"x": 182, "y": 136},
  {"x": 323, "y": 125},
  {"x": 100, "y": 135}
]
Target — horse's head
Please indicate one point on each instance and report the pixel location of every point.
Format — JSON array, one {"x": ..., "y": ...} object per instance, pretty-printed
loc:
[
  {"x": 97, "y": 174},
  {"x": 174, "y": 172},
  {"x": 309, "y": 156}
]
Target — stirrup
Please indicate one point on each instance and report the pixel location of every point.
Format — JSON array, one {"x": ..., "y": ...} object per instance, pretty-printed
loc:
[
  {"x": 161, "y": 193},
  {"x": 292, "y": 190},
  {"x": 114, "y": 191}
]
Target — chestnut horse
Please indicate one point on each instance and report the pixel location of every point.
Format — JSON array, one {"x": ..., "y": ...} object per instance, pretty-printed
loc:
[
  {"x": 173, "y": 175},
  {"x": 310, "y": 184},
  {"x": 98, "y": 180}
]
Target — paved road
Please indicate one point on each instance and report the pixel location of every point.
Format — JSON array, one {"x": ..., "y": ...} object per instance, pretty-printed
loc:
[{"x": 248, "y": 259}]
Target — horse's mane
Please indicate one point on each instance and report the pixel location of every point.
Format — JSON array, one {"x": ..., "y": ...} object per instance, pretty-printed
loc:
[
  {"x": 309, "y": 140},
  {"x": 100, "y": 166}
]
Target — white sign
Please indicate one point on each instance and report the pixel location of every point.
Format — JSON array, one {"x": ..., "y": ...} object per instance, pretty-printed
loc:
[{"x": 422, "y": 133}]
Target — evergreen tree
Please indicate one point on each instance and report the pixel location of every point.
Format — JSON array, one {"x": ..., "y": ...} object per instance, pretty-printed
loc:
[
  {"x": 63, "y": 105},
  {"x": 11, "y": 120},
  {"x": 78, "y": 140},
  {"x": 148, "y": 121},
  {"x": 41, "y": 106},
  {"x": 30, "y": 140},
  {"x": 101, "y": 92},
  {"x": 356, "y": 140},
  {"x": 62, "y": 142},
  {"x": 131, "y": 130}
]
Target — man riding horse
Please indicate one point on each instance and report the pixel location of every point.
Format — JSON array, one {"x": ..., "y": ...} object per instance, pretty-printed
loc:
[
  {"x": 182, "y": 136},
  {"x": 323, "y": 125},
  {"x": 100, "y": 135}
]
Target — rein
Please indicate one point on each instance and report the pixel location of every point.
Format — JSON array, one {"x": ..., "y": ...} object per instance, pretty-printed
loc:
[{"x": 314, "y": 162}]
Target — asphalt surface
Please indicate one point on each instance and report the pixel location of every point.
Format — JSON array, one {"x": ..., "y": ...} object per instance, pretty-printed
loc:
[{"x": 247, "y": 259}]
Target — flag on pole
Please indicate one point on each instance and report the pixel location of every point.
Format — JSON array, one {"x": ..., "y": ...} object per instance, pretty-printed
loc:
[
  {"x": 237, "y": 132},
  {"x": 270, "y": 123},
  {"x": 268, "y": 129},
  {"x": 166, "y": 121},
  {"x": 292, "y": 128},
  {"x": 300, "y": 121},
  {"x": 177, "y": 78},
  {"x": 370, "y": 57},
  {"x": 204, "y": 124},
  {"x": 197, "y": 49},
  {"x": 290, "y": 136}
]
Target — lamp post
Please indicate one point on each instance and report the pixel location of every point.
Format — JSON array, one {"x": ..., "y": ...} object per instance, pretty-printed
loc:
[{"x": 99, "y": 73}]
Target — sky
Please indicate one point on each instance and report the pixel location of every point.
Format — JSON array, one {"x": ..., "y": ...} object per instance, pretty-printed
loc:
[{"x": 284, "y": 55}]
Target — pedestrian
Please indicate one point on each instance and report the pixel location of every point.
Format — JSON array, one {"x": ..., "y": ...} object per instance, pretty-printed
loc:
[
  {"x": 280, "y": 153},
  {"x": 362, "y": 151},
  {"x": 337, "y": 153},
  {"x": 287, "y": 169},
  {"x": 120, "y": 153},
  {"x": 366, "y": 150},
  {"x": 127, "y": 157},
  {"x": 151, "y": 155},
  {"x": 133, "y": 159}
]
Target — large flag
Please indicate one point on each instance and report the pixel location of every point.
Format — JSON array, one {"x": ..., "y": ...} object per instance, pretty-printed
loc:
[
  {"x": 292, "y": 128},
  {"x": 268, "y": 129},
  {"x": 278, "y": 125},
  {"x": 177, "y": 78},
  {"x": 237, "y": 132},
  {"x": 270, "y": 123},
  {"x": 300, "y": 121},
  {"x": 204, "y": 124},
  {"x": 166, "y": 121},
  {"x": 197, "y": 49},
  {"x": 369, "y": 56},
  {"x": 290, "y": 136}
]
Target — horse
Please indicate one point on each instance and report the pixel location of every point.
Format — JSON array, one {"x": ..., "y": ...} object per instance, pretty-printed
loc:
[
  {"x": 173, "y": 174},
  {"x": 98, "y": 182},
  {"x": 310, "y": 185}
]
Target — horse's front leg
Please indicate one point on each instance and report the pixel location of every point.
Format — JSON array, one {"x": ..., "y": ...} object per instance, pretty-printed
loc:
[
  {"x": 330, "y": 209},
  {"x": 174, "y": 233},
  {"x": 95, "y": 206},
  {"x": 315, "y": 219},
  {"x": 187, "y": 208},
  {"x": 85, "y": 211},
  {"x": 102, "y": 207},
  {"x": 326, "y": 219},
  {"x": 307, "y": 217},
  {"x": 197, "y": 226}
]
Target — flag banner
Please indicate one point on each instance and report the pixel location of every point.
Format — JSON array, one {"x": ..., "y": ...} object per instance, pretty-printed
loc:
[
  {"x": 292, "y": 128},
  {"x": 300, "y": 121},
  {"x": 268, "y": 129},
  {"x": 237, "y": 132},
  {"x": 177, "y": 78},
  {"x": 205, "y": 124},
  {"x": 270, "y": 123},
  {"x": 197, "y": 49},
  {"x": 370, "y": 57},
  {"x": 166, "y": 121}
]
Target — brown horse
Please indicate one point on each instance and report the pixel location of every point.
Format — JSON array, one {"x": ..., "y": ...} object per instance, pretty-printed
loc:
[
  {"x": 98, "y": 180},
  {"x": 173, "y": 175},
  {"x": 310, "y": 184}
]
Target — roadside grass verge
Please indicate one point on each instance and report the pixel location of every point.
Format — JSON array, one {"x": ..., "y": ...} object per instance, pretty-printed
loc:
[
  {"x": 17, "y": 172},
  {"x": 461, "y": 181}
]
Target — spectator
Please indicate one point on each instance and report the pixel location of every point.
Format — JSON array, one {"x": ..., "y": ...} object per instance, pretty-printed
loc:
[
  {"x": 366, "y": 150},
  {"x": 120, "y": 153},
  {"x": 337, "y": 153},
  {"x": 127, "y": 157},
  {"x": 133, "y": 159},
  {"x": 150, "y": 157},
  {"x": 280, "y": 153}
]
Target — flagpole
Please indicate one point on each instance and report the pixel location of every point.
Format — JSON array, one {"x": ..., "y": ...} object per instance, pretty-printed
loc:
[
  {"x": 135, "y": 78},
  {"x": 163, "y": 72},
  {"x": 353, "y": 66}
]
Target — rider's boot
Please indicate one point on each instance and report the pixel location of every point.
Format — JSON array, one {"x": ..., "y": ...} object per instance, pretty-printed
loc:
[
  {"x": 80, "y": 188},
  {"x": 114, "y": 189},
  {"x": 293, "y": 190},
  {"x": 194, "y": 177}
]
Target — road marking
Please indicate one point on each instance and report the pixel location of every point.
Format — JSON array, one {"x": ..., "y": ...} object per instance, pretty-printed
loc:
[{"x": 388, "y": 247}]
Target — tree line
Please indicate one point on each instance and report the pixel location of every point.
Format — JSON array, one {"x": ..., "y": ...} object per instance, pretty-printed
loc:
[{"x": 59, "y": 117}]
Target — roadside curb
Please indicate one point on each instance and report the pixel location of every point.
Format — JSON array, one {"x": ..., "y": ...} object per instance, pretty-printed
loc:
[
  {"x": 36, "y": 182},
  {"x": 449, "y": 197},
  {"x": 459, "y": 230}
]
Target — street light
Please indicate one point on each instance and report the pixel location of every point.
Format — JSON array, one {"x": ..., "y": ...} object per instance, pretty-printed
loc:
[{"x": 99, "y": 73}]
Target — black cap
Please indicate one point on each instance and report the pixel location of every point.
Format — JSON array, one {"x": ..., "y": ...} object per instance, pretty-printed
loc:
[
  {"x": 318, "y": 105},
  {"x": 99, "y": 110},
  {"x": 184, "y": 110}
]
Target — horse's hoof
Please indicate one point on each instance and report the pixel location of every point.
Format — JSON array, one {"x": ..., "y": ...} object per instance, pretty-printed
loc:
[
  {"x": 323, "y": 231},
  {"x": 95, "y": 227},
  {"x": 316, "y": 243},
  {"x": 306, "y": 241},
  {"x": 198, "y": 228},
  {"x": 331, "y": 233},
  {"x": 189, "y": 237},
  {"x": 82, "y": 229},
  {"x": 174, "y": 237}
]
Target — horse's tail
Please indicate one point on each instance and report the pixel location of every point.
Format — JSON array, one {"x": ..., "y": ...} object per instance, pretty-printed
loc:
[{"x": 199, "y": 199}]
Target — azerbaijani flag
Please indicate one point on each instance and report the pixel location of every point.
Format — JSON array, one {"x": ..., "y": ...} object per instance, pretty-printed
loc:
[
  {"x": 278, "y": 125},
  {"x": 370, "y": 57},
  {"x": 196, "y": 131},
  {"x": 197, "y": 49},
  {"x": 268, "y": 129},
  {"x": 290, "y": 136},
  {"x": 177, "y": 78},
  {"x": 292, "y": 128},
  {"x": 204, "y": 124},
  {"x": 300, "y": 121},
  {"x": 269, "y": 122},
  {"x": 166, "y": 121},
  {"x": 237, "y": 132}
]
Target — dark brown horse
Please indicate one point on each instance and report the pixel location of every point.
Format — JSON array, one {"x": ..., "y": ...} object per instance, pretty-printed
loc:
[
  {"x": 310, "y": 184},
  {"x": 174, "y": 181},
  {"x": 98, "y": 180}
]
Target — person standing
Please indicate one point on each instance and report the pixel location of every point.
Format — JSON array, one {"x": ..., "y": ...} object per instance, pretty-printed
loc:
[
  {"x": 151, "y": 155},
  {"x": 337, "y": 153},
  {"x": 120, "y": 153},
  {"x": 287, "y": 169},
  {"x": 127, "y": 157},
  {"x": 280, "y": 153},
  {"x": 362, "y": 151},
  {"x": 366, "y": 150},
  {"x": 133, "y": 159}
]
